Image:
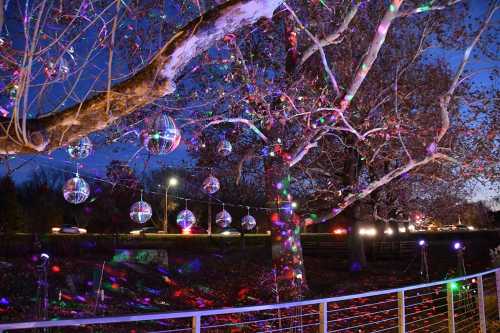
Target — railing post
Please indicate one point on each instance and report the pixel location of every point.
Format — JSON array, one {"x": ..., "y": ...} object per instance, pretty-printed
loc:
[
  {"x": 497, "y": 274},
  {"x": 480, "y": 303},
  {"x": 451, "y": 310},
  {"x": 323, "y": 317},
  {"x": 196, "y": 325},
  {"x": 401, "y": 312}
]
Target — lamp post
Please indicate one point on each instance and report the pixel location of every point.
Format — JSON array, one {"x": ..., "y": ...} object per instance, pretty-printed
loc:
[{"x": 171, "y": 182}]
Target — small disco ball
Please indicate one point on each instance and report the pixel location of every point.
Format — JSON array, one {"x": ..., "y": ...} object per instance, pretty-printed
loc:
[
  {"x": 248, "y": 222},
  {"x": 162, "y": 136},
  {"x": 223, "y": 219},
  {"x": 186, "y": 219},
  {"x": 140, "y": 212},
  {"x": 211, "y": 185},
  {"x": 76, "y": 190},
  {"x": 224, "y": 148},
  {"x": 80, "y": 149}
]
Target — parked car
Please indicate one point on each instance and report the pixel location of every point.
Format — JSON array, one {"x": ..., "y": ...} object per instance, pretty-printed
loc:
[
  {"x": 68, "y": 229},
  {"x": 447, "y": 227},
  {"x": 145, "y": 230},
  {"x": 194, "y": 230},
  {"x": 230, "y": 232}
]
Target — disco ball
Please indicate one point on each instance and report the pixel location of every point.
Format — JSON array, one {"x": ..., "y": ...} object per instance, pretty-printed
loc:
[
  {"x": 140, "y": 212},
  {"x": 211, "y": 185},
  {"x": 224, "y": 148},
  {"x": 76, "y": 190},
  {"x": 162, "y": 136},
  {"x": 80, "y": 149},
  {"x": 248, "y": 222},
  {"x": 223, "y": 219},
  {"x": 186, "y": 219}
]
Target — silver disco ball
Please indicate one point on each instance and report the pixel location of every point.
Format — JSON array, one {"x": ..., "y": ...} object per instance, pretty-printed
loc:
[
  {"x": 76, "y": 190},
  {"x": 248, "y": 222},
  {"x": 140, "y": 212},
  {"x": 211, "y": 185},
  {"x": 186, "y": 219},
  {"x": 223, "y": 219},
  {"x": 224, "y": 148},
  {"x": 80, "y": 149},
  {"x": 162, "y": 136}
]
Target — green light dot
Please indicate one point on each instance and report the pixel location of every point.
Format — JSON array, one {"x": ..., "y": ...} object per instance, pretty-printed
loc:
[
  {"x": 423, "y": 8},
  {"x": 392, "y": 8}
]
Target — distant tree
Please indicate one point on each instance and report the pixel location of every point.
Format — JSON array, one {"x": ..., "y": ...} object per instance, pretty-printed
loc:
[{"x": 11, "y": 214}]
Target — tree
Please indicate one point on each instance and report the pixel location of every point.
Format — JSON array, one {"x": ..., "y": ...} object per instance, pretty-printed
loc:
[
  {"x": 330, "y": 113},
  {"x": 11, "y": 217}
]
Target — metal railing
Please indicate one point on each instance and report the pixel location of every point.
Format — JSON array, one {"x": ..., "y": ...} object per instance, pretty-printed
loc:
[{"x": 464, "y": 304}]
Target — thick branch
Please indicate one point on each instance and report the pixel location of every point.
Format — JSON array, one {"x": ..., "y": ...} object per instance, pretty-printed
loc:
[
  {"x": 445, "y": 100},
  {"x": 333, "y": 37},
  {"x": 155, "y": 80},
  {"x": 351, "y": 198},
  {"x": 241, "y": 121}
]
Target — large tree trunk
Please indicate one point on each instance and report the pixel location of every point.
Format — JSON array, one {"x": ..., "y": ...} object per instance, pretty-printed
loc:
[
  {"x": 357, "y": 256},
  {"x": 287, "y": 256}
]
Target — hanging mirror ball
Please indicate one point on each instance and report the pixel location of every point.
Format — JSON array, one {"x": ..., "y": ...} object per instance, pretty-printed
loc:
[
  {"x": 224, "y": 148},
  {"x": 223, "y": 219},
  {"x": 211, "y": 185},
  {"x": 162, "y": 136},
  {"x": 248, "y": 222},
  {"x": 76, "y": 190},
  {"x": 140, "y": 212},
  {"x": 80, "y": 149},
  {"x": 186, "y": 219}
]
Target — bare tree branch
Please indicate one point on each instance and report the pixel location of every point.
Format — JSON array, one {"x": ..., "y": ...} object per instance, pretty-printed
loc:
[
  {"x": 331, "y": 38},
  {"x": 155, "y": 80}
]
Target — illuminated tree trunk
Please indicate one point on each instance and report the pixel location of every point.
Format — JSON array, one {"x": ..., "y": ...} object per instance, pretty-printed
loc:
[{"x": 285, "y": 232}]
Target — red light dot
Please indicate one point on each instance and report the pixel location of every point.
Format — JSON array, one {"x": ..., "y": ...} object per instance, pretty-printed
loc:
[
  {"x": 56, "y": 269},
  {"x": 115, "y": 286}
]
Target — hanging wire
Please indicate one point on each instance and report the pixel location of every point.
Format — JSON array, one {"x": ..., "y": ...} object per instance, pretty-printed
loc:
[{"x": 157, "y": 193}]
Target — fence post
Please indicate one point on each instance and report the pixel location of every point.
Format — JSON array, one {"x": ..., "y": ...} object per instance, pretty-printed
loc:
[
  {"x": 497, "y": 274},
  {"x": 401, "y": 312},
  {"x": 323, "y": 317},
  {"x": 451, "y": 310},
  {"x": 196, "y": 325},
  {"x": 480, "y": 303}
]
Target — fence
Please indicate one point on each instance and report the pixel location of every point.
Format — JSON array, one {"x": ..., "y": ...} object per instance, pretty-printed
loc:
[{"x": 465, "y": 304}]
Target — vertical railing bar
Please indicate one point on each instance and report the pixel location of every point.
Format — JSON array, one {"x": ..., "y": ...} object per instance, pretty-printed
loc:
[
  {"x": 451, "y": 311},
  {"x": 401, "y": 312},
  {"x": 323, "y": 317},
  {"x": 196, "y": 324},
  {"x": 497, "y": 275},
  {"x": 480, "y": 303}
]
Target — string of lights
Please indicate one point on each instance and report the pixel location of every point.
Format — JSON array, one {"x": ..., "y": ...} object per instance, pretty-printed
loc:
[{"x": 212, "y": 200}]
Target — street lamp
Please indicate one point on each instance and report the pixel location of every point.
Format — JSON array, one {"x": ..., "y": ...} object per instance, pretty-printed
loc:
[{"x": 171, "y": 182}]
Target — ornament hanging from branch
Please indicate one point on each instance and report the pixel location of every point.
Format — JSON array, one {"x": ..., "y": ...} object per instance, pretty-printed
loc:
[
  {"x": 162, "y": 136},
  {"x": 223, "y": 218},
  {"x": 248, "y": 221},
  {"x": 80, "y": 149},
  {"x": 76, "y": 190},
  {"x": 141, "y": 212},
  {"x": 186, "y": 219},
  {"x": 224, "y": 148},
  {"x": 211, "y": 185}
]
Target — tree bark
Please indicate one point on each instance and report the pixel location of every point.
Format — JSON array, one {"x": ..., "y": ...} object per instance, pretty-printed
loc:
[{"x": 287, "y": 255}]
